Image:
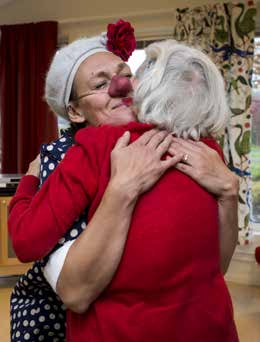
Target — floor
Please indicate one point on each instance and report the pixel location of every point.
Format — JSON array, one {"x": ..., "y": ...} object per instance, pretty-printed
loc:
[
  {"x": 4, "y": 314},
  {"x": 246, "y": 300}
]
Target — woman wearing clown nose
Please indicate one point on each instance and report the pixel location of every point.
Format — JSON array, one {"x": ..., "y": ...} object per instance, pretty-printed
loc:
[{"x": 100, "y": 101}]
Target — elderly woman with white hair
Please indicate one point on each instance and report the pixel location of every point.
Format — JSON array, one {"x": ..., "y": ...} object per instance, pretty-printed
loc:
[
  {"x": 182, "y": 91},
  {"x": 94, "y": 192},
  {"x": 168, "y": 285}
]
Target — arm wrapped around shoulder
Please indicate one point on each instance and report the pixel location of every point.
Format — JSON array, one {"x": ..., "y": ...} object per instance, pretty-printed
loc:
[{"x": 36, "y": 223}]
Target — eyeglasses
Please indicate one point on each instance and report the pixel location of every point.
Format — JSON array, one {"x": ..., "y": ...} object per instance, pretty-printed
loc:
[
  {"x": 103, "y": 89},
  {"x": 117, "y": 86}
]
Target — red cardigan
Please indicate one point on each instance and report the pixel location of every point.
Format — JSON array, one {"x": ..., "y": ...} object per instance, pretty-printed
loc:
[{"x": 168, "y": 286}]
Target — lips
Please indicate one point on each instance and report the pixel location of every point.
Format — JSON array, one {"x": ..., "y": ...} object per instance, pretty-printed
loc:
[
  {"x": 126, "y": 101},
  {"x": 117, "y": 106}
]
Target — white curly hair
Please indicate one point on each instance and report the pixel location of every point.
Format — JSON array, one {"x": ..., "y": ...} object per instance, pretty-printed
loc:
[{"x": 182, "y": 90}]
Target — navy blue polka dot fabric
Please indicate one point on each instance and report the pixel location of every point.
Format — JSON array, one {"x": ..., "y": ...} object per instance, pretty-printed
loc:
[{"x": 37, "y": 313}]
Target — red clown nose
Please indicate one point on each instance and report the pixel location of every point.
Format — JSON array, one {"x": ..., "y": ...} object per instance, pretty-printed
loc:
[{"x": 120, "y": 86}]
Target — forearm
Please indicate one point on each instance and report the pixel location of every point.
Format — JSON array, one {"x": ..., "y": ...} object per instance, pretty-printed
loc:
[
  {"x": 37, "y": 222},
  {"x": 32, "y": 223},
  {"x": 17, "y": 219},
  {"x": 94, "y": 257},
  {"x": 228, "y": 223}
]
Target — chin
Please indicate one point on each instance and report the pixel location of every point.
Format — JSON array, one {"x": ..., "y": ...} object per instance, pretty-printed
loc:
[
  {"x": 123, "y": 118},
  {"x": 123, "y": 121}
]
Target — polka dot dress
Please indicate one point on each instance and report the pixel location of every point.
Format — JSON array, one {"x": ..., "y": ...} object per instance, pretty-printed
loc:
[{"x": 37, "y": 313}]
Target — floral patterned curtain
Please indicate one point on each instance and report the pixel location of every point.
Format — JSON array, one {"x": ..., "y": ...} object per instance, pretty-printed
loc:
[{"x": 226, "y": 33}]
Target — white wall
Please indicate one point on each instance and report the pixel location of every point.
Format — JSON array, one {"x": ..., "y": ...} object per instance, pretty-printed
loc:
[
  {"x": 151, "y": 18},
  {"x": 37, "y": 10}
]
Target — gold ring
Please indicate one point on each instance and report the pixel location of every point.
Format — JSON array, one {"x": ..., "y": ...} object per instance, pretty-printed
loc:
[{"x": 186, "y": 157}]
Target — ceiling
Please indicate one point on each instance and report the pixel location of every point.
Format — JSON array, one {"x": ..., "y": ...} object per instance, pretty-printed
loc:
[{"x": 22, "y": 11}]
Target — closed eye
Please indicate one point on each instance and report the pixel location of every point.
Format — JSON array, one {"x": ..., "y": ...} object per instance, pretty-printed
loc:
[
  {"x": 126, "y": 74},
  {"x": 101, "y": 85}
]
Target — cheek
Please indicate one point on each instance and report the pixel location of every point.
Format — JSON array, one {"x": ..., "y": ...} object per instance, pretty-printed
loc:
[
  {"x": 97, "y": 103},
  {"x": 95, "y": 109}
]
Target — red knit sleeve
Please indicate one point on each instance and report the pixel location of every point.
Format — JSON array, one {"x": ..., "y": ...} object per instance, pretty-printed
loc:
[
  {"x": 28, "y": 186},
  {"x": 36, "y": 223}
]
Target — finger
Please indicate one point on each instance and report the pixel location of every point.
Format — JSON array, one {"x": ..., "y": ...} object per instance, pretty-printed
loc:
[
  {"x": 181, "y": 148},
  {"x": 187, "y": 152},
  {"x": 187, "y": 159},
  {"x": 193, "y": 154},
  {"x": 157, "y": 139},
  {"x": 201, "y": 150},
  {"x": 175, "y": 148},
  {"x": 171, "y": 161},
  {"x": 199, "y": 144},
  {"x": 195, "y": 143},
  {"x": 187, "y": 144},
  {"x": 146, "y": 137},
  {"x": 163, "y": 147},
  {"x": 123, "y": 141},
  {"x": 185, "y": 168},
  {"x": 36, "y": 159}
]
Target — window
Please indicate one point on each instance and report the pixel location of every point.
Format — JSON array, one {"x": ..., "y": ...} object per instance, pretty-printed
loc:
[
  {"x": 63, "y": 124},
  {"x": 137, "y": 58}
]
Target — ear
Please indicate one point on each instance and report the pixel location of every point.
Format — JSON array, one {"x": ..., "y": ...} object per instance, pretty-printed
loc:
[{"x": 75, "y": 115}]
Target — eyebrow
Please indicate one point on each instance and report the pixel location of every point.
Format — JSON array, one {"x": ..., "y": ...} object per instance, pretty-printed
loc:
[{"x": 102, "y": 73}]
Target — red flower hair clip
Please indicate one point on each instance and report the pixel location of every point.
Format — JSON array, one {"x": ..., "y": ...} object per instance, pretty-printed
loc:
[{"x": 121, "y": 39}]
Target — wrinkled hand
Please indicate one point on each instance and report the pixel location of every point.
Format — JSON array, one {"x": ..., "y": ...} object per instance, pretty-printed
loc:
[
  {"x": 205, "y": 166},
  {"x": 34, "y": 167},
  {"x": 135, "y": 168}
]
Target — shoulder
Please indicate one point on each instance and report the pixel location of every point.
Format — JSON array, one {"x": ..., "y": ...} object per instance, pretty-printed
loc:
[
  {"x": 108, "y": 133},
  {"x": 98, "y": 139},
  {"x": 58, "y": 147},
  {"x": 85, "y": 135},
  {"x": 52, "y": 153}
]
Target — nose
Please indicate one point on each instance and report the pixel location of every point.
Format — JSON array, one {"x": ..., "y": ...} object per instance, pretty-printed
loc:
[{"x": 120, "y": 86}]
